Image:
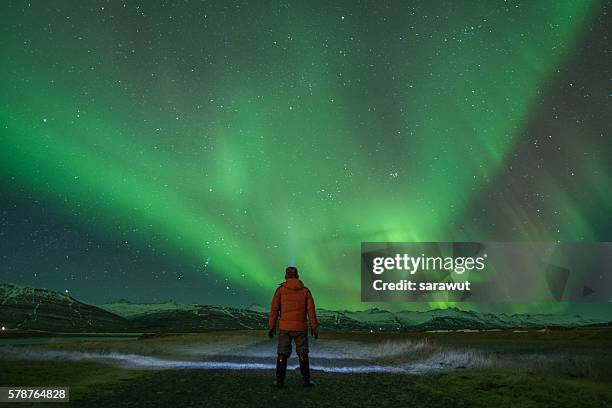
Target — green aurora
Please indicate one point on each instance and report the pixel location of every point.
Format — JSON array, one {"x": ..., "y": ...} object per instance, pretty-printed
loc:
[{"x": 242, "y": 137}]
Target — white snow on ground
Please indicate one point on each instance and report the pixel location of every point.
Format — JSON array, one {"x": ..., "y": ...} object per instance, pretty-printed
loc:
[
  {"x": 332, "y": 356},
  {"x": 148, "y": 362},
  {"x": 333, "y": 349}
]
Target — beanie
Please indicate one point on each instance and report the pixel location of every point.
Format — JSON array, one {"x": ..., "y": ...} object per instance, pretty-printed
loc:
[{"x": 291, "y": 272}]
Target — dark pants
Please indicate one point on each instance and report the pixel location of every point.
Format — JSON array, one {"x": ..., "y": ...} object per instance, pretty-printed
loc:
[{"x": 286, "y": 337}]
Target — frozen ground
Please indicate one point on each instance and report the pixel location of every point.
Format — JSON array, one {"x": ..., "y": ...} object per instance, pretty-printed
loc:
[
  {"x": 563, "y": 368},
  {"x": 251, "y": 352}
]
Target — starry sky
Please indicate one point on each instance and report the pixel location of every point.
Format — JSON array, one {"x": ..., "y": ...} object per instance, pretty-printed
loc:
[{"x": 190, "y": 150}]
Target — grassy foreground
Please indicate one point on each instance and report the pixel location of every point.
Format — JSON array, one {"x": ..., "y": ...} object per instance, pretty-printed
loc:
[
  {"x": 100, "y": 385},
  {"x": 579, "y": 376}
]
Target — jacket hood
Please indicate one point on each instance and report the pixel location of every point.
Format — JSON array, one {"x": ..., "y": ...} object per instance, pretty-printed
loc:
[{"x": 293, "y": 283}]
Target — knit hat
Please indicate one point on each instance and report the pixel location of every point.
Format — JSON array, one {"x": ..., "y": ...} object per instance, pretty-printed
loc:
[{"x": 291, "y": 272}]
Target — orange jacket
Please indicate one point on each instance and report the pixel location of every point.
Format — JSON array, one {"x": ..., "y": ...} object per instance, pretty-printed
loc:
[{"x": 293, "y": 300}]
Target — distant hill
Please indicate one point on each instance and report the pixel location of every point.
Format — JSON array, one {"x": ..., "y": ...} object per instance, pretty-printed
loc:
[
  {"x": 442, "y": 319},
  {"x": 173, "y": 316},
  {"x": 258, "y": 308},
  {"x": 201, "y": 317},
  {"x": 128, "y": 309},
  {"x": 25, "y": 308}
]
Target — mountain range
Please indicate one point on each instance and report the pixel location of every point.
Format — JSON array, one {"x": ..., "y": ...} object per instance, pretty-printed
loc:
[{"x": 25, "y": 308}]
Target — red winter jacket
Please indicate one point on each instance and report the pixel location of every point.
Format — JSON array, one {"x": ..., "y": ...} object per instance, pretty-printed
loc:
[{"x": 293, "y": 300}]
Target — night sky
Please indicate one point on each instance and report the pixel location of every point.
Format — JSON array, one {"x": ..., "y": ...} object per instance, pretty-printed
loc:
[{"x": 191, "y": 150}]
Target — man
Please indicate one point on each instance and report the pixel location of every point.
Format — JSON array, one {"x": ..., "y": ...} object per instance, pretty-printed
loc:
[{"x": 294, "y": 301}]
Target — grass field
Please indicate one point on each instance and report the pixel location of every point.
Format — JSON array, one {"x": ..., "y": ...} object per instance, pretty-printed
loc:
[{"x": 569, "y": 368}]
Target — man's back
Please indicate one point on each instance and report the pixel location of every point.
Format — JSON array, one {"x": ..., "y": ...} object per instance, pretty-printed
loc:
[{"x": 295, "y": 302}]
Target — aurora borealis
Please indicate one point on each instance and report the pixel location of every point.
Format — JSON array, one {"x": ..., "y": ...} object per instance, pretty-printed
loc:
[{"x": 191, "y": 150}]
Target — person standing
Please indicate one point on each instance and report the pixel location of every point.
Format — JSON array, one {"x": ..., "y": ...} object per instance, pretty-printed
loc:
[{"x": 294, "y": 302}]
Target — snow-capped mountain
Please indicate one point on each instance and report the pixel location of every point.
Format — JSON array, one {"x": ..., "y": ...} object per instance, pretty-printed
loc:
[{"x": 26, "y": 308}]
